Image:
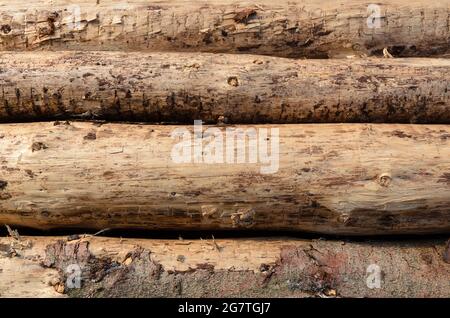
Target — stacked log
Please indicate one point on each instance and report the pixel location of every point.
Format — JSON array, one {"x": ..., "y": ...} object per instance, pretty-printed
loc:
[
  {"x": 350, "y": 106},
  {"x": 388, "y": 179},
  {"x": 181, "y": 88},
  {"x": 312, "y": 28},
  {"x": 259, "y": 267}
]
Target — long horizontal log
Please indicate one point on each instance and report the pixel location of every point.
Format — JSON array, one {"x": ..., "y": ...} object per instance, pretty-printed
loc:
[
  {"x": 174, "y": 87},
  {"x": 354, "y": 179},
  {"x": 311, "y": 28},
  {"x": 79, "y": 266}
]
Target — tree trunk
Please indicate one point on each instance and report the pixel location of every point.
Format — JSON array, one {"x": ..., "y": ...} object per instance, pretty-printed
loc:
[
  {"x": 276, "y": 267},
  {"x": 174, "y": 87},
  {"x": 354, "y": 179},
  {"x": 311, "y": 28}
]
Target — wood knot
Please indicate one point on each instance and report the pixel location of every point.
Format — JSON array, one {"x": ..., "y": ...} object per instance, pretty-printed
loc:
[
  {"x": 243, "y": 217},
  {"x": 344, "y": 218},
  {"x": 36, "y": 146},
  {"x": 5, "y": 196},
  {"x": 384, "y": 180},
  {"x": 90, "y": 136},
  {"x": 5, "y": 29},
  {"x": 233, "y": 81},
  {"x": 3, "y": 184}
]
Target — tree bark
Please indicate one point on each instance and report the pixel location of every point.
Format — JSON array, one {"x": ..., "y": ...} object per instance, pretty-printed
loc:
[
  {"x": 180, "y": 88},
  {"x": 275, "y": 267},
  {"x": 312, "y": 28},
  {"x": 354, "y": 179}
]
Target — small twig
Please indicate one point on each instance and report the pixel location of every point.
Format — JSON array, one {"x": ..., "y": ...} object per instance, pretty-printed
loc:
[
  {"x": 13, "y": 233},
  {"x": 82, "y": 236},
  {"x": 17, "y": 240},
  {"x": 215, "y": 244},
  {"x": 97, "y": 233},
  {"x": 101, "y": 231}
]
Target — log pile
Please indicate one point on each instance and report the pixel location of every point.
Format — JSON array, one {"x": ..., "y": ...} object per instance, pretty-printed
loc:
[{"x": 323, "y": 117}]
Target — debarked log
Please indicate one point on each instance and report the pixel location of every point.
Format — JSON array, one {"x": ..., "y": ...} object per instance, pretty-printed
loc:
[
  {"x": 311, "y": 28},
  {"x": 80, "y": 266},
  {"x": 182, "y": 87},
  {"x": 353, "y": 179}
]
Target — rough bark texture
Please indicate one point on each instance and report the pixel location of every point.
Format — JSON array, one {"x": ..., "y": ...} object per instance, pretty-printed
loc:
[
  {"x": 338, "y": 179},
  {"x": 277, "y": 267},
  {"x": 174, "y": 87},
  {"x": 311, "y": 28}
]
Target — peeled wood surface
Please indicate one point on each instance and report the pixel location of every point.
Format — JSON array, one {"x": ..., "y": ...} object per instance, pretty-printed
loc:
[
  {"x": 182, "y": 87},
  {"x": 337, "y": 179},
  {"x": 311, "y": 28},
  {"x": 253, "y": 267}
]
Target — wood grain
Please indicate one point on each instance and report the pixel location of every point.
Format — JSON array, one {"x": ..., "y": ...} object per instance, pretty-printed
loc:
[
  {"x": 311, "y": 28},
  {"x": 252, "y": 267},
  {"x": 183, "y": 87},
  {"x": 353, "y": 179}
]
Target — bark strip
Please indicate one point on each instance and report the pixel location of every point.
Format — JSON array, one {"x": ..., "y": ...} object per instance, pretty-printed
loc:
[
  {"x": 182, "y": 87},
  {"x": 338, "y": 179}
]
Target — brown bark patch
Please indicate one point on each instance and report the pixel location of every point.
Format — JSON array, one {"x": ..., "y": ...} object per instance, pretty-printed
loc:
[
  {"x": 307, "y": 270},
  {"x": 59, "y": 254},
  {"x": 63, "y": 254}
]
